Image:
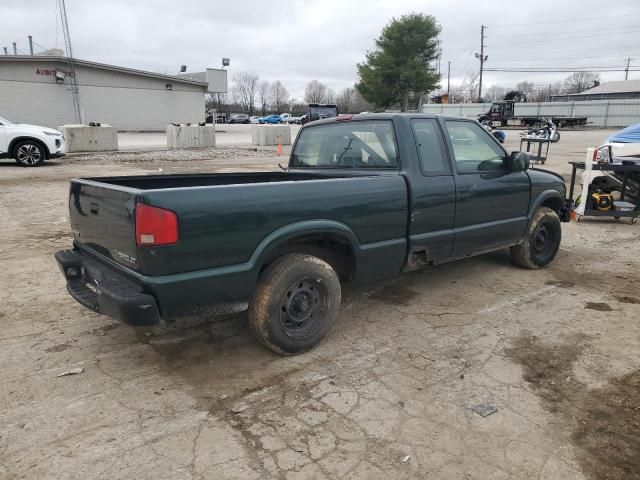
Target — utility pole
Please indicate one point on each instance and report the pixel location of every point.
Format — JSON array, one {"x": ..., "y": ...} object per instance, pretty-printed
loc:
[
  {"x": 626, "y": 70},
  {"x": 448, "y": 76},
  {"x": 483, "y": 58},
  {"x": 31, "y": 44},
  {"x": 73, "y": 80}
]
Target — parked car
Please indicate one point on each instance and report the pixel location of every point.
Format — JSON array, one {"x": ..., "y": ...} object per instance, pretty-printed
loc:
[
  {"x": 239, "y": 118},
  {"x": 270, "y": 119},
  {"x": 254, "y": 119},
  {"x": 364, "y": 197},
  {"x": 29, "y": 145},
  {"x": 626, "y": 142}
]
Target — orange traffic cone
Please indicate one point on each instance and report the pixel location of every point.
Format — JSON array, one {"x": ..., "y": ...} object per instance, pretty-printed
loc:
[{"x": 279, "y": 149}]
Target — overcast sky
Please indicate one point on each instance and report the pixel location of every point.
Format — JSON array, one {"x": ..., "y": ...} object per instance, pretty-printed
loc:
[{"x": 296, "y": 41}]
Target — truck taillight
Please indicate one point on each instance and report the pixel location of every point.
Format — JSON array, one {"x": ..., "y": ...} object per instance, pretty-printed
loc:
[{"x": 155, "y": 226}]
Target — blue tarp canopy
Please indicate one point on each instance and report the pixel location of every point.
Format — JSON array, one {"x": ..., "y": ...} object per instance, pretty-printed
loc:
[{"x": 631, "y": 134}]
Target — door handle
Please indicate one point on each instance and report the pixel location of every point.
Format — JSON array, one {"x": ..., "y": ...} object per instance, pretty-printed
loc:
[{"x": 463, "y": 191}]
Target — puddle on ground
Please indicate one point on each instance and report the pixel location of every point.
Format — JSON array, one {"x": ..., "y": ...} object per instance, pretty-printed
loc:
[
  {"x": 549, "y": 368},
  {"x": 393, "y": 295},
  {"x": 606, "y": 421},
  {"x": 222, "y": 361},
  {"x": 626, "y": 299},
  {"x": 599, "y": 306},
  {"x": 560, "y": 284}
]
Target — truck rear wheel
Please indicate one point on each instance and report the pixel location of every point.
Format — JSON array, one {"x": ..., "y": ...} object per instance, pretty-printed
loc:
[
  {"x": 295, "y": 303},
  {"x": 542, "y": 241}
]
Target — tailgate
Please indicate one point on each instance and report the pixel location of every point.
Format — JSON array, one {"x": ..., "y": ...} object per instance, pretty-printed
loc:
[{"x": 103, "y": 220}]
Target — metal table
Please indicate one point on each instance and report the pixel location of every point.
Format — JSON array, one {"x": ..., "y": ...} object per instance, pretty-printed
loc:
[
  {"x": 540, "y": 141},
  {"x": 616, "y": 167}
]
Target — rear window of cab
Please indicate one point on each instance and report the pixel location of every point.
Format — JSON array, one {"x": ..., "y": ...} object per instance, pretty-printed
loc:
[{"x": 361, "y": 144}]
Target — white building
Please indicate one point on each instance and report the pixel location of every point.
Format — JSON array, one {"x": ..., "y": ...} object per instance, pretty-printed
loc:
[{"x": 37, "y": 90}]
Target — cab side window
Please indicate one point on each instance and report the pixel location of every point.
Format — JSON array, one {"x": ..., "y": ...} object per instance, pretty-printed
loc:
[
  {"x": 428, "y": 138},
  {"x": 474, "y": 150}
]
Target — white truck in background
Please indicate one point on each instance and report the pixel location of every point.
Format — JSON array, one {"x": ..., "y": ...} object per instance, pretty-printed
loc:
[{"x": 288, "y": 118}]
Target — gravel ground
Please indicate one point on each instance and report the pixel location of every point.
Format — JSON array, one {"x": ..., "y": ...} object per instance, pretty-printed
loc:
[{"x": 388, "y": 394}]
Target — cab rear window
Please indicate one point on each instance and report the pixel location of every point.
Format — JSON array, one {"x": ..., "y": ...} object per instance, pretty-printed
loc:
[{"x": 366, "y": 144}]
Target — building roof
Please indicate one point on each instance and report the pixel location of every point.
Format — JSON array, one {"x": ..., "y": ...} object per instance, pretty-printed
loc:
[
  {"x": 618, "y": 86},
  {"x": 102, "y": 66},
  {"x": 197, "y": 76}
]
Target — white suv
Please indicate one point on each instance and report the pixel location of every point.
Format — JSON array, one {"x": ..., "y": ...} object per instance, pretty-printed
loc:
[{"x": 30, "y": 145}]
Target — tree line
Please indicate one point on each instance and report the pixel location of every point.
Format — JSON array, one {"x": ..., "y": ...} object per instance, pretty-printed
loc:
[
  {"x": 249, "y": 94},
  {"x": 577, "y": 82}
]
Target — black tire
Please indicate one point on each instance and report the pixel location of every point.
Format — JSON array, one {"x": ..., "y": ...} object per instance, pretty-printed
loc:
[
  {"x": 29, "y": 153},
  {"x": 542, "y": 241},
  {"x": 295, "y": 303},
  {"x": 556, "y": 137}
]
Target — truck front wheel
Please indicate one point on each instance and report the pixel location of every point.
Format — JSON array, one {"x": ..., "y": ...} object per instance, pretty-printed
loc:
[
  {"x": 295, "y": 302},
  {"x": 542, "y": 241}
]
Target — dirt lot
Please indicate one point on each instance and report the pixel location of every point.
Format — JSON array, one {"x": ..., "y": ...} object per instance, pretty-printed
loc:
[{"x": 388, "y": 394}]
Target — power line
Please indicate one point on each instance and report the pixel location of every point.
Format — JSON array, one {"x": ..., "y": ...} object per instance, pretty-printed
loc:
[
  {"x": 557, "y": 70},
  {"x": 546, "y": 59},
  {"x": 573, "y": 20},
  {"x": 558, "y": 39},
  {"x": 562, "y": 33}
]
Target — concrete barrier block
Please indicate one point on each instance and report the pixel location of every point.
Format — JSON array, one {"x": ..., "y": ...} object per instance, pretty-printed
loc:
[
  {"x": 270, "y": 134},
  {"x": 83, "y": 138},
  {"x": 191, "y": 136}
]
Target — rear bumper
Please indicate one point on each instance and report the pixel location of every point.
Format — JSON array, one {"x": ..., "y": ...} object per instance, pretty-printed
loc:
[{"x": 103, "y": 290}]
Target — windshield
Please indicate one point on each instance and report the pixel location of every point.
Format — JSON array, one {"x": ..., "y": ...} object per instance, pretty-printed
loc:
[
  {"x": 4, "y": 121},
  {"x": 367, "y": 144}
]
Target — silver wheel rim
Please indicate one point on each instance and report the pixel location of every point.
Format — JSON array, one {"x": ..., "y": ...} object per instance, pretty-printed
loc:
[{"x": 29, "y": 154}]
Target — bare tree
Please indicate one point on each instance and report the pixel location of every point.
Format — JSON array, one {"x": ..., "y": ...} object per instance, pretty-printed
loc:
[
  {"x": 280, "y": 96},
  {"x": 553, "y": 89},
  {"x": 346, "y": 99},
  {"x": 360, "y": 104},
  {"x": 494, "y": 92},
  {"x": 578, "y": 82},
  {"x": 330, "y": 96},
  {"x": 264, "y": 96},
  {"x": 245, "y": 86},
  {"x": 469, "y": 91},
  {"x": 315, "y": 92},
  {"x": 528, "y": 88}
]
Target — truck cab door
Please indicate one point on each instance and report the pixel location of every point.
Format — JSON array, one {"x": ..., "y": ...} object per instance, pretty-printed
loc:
[
  {"x": 491, "y": 201},
  {"x": 432, "y": 196},
  {"x": 508, "y": 110}
]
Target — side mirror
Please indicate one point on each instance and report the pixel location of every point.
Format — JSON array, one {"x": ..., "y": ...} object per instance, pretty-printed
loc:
[{"x": 519, "y": 161}]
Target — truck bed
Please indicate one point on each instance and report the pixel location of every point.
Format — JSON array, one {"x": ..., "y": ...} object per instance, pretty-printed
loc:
[
  {"x": 224, "y": 217},
  {"x": 155, "y": 182}
]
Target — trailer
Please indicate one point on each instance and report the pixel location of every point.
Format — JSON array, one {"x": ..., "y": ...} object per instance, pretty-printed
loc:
[{"x": 502, "y": 114}]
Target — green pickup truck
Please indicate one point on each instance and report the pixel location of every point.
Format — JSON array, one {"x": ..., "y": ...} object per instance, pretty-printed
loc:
[{"x": 364, "y": 197}]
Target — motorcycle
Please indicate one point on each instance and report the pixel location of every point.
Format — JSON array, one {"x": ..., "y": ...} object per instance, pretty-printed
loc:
[{"x": 549, "y": 131}]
